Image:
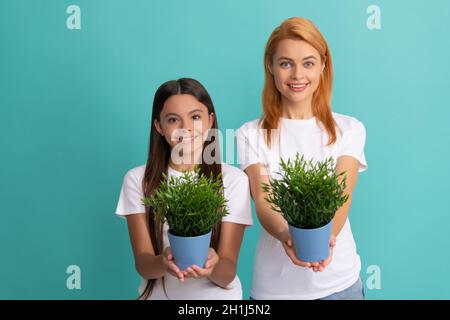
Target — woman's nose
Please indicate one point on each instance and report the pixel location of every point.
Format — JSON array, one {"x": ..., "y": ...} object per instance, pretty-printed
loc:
[{"x": 297, "y": 73}]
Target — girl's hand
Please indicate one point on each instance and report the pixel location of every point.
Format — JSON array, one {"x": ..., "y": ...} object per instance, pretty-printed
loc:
[
  {"x": 196, "y": 272},
  {"x": 326, "y": 261},
  {"x": 170, "y": 265},
  {"x": 286, "y": 241}
]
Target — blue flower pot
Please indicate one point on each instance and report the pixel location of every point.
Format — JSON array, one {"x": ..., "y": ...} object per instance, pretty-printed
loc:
[
  {"x": 312, "y": 245},
  {"x": 190, "y": 250}
]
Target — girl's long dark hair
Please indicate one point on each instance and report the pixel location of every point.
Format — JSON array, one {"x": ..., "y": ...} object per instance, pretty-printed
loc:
[{"x": 159, "y": 155}]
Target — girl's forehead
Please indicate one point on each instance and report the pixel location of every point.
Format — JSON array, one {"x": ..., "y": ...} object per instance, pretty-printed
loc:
[{"x": 183, "y": 104}]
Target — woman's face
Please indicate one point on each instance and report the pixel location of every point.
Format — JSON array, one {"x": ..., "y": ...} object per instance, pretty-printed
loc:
[
  {"x": 184, "y": 122},
  {"x": 296, "y": 68}
]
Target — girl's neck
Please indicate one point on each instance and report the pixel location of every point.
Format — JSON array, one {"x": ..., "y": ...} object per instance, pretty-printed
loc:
[
  {"x": 297, "y": 110},
  {"x": 182, "y": 167}
]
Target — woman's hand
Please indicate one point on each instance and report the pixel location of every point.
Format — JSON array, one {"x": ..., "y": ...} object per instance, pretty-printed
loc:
[
  {"x": 324, "y": 263},
  {"x": 196, "y": 272},
  {"x": 285, "y": 238},
  {"x": 170, "y": 265},
  {"x": 286, "y": 241}
]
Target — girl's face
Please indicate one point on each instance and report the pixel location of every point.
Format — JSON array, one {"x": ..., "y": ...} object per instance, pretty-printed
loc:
[
  {"x": 184, "y": 120},
  {"x": 296, "y": 69}
]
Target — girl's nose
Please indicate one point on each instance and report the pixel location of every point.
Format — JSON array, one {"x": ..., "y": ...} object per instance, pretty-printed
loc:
[{"x": 187, "y": 128}]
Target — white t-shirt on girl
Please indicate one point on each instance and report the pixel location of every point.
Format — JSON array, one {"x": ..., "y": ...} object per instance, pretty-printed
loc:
[
  {"x": 236, "y": 191},
  {"x": 274, "y": 274}
]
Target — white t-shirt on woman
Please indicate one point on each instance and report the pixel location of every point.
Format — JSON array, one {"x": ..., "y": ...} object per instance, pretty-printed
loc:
[
  {"x": 274, "y": 274},
  {"x": 236, "y": 191}
]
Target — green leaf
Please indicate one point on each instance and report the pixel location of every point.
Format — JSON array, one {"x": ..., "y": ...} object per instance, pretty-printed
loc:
[
  {"x": 191, "y": 204},
  {"x": 308, "y": 193}
]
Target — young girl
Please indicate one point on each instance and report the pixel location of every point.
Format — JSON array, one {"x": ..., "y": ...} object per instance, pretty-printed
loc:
[
  {"x": 182, "y": 121},
  {"x": 297, "y": 117}
]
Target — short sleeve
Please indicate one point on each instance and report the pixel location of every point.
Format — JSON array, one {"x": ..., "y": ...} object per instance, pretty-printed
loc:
[
  {"x": 353, "y": 142},
  {"x": 130, "y": 199},
  {"x": 247, "y": 146},
  {"x": 237, "y": 194}
]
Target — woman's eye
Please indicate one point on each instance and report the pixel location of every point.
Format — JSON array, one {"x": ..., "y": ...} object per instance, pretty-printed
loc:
[
  {"x": 308, "y": 64},
  {"x": 171, "y": 120},
  {"x": 285, "y": 64},
  {"x": 196, "y": 117}
]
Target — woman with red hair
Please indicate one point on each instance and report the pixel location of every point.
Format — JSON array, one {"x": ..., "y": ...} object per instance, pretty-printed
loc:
[{"x": 297, "y": 118}]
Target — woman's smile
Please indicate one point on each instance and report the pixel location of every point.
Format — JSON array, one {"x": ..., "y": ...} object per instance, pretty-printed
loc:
[{"x": 297, "y": 87}]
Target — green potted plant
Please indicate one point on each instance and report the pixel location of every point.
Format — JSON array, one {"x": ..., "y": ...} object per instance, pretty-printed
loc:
[
  {"x": 308, "y": 195},
  {"x": 191, "y": 204}
]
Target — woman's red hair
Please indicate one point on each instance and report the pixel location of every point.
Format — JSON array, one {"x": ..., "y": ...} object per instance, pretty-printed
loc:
[{"x": 298, "y": 29}]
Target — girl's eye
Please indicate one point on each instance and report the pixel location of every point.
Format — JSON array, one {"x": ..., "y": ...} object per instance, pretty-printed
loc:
[
  {"x": 196, "y": 117},
  {"x": 171, "y": 120},
  {"x": 308, "y": 64},
  {"x": 285, "y": 64}
]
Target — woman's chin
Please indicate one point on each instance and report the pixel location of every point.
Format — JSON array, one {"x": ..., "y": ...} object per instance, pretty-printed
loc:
[{"x": 295, "y": 98}]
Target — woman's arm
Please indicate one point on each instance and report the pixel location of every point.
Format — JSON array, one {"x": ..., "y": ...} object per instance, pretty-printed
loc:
[
  {"x": 272, "y": 221},
  {"x": 350, "y": 165},
  {"x": 148, "y": 265}
]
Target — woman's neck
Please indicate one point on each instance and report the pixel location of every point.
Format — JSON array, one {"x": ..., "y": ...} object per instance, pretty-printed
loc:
[{"x": 297, "y": 110}]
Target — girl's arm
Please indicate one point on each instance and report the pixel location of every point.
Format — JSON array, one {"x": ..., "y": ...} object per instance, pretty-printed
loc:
[
  {"x": 220, "y": 267},
  {"x": 231, "y": 235},
  {"x": 350, "y": 165},
  {"x": 148, "y": 265}
]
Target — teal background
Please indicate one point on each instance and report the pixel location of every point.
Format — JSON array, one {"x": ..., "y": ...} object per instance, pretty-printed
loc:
[{"x": 74, "y": 117}]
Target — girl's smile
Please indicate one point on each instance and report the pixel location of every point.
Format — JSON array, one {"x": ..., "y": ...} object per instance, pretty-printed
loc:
[
  {"x": 184, "y": 120},
  {"x": 185, "y": 124},
  {"x": 187, "y": 138}
]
